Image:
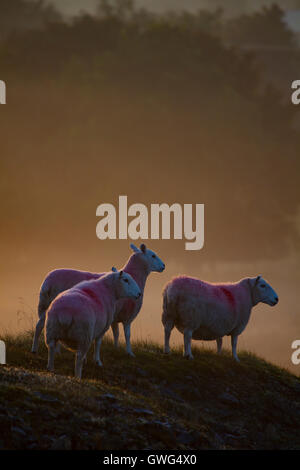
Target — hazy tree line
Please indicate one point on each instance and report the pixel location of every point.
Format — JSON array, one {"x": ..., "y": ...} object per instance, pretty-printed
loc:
[
  {"x": 231, "y": 7},
  {"x": 170, "y": 100}
]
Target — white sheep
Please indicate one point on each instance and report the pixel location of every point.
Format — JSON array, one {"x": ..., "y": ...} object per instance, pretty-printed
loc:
[
  {"x": 204, "y": 311},
  {"x": 140, "y": 264},
  {"x": 84, "y": 313}
]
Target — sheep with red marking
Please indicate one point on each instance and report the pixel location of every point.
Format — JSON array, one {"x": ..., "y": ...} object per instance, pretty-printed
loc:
[
  {"x": 57, "y": 281},
  {"x": 140, "y": 264},
  {"x": 205, "y": 311},
  {"x": 84, "y": 313}
]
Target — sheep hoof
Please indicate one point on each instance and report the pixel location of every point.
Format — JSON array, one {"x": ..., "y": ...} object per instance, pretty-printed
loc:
[
  {"x": 99, "y": 363},
  {"x": 33, "y": 352},
  {"x": 188, "y": 357},
  {"x": 167, "y": 352},
  {"x": 130, "y": 353}
]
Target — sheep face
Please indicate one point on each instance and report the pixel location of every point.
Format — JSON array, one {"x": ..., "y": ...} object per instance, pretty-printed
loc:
[
  {"x": 153, "y": 262},
  {"x": 126, "y": 286},
  {"x": 263, "y": 292}
]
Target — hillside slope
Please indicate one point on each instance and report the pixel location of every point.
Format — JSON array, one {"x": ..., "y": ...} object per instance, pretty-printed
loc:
[{"x": 150, "y": 402}]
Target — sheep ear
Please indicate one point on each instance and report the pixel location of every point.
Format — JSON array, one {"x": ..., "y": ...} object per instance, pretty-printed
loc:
[
  {"x": 114, "y": 270},
  {"x": 134, "y": 248},
  {"x": 121, "y": 274},
  {"x": 143, "y": 247},
  {"x": 254, "y": 280}
]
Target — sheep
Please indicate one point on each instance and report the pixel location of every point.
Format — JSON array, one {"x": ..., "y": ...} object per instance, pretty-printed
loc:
[
  {"x": 140, "y": 264},
  {"x": 56, "y": 281},
  {"x": 204, "y": 311},
  {"x": 84, "y": 313}
]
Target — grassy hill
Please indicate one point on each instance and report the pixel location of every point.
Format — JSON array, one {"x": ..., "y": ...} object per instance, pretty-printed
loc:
[{"x": 150, "y": 402}]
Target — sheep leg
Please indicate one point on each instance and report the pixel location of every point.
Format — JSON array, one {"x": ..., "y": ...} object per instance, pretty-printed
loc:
[
  {"x": 127, "y": 338},
  {"x": 80, "y": 357},
  {"x": 115, "y": 330},
  {"x": 51, "y": 354},
  {"x": 234, "y": 339},
  {"x": 58, "y": 348},
  {"x": 168, "y": 328},
  {"x": 219, "y": 345},
  {"x": 38, "y": 330},
  {"x": 97, "y": 359},
  {"x": 187, "y": 343}
]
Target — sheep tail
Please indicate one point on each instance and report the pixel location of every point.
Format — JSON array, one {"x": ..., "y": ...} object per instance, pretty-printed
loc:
[
  {"x": 168, "y": 311},
  {"x": 56, "y": 329},
  {"x": 45, "y": 300}
]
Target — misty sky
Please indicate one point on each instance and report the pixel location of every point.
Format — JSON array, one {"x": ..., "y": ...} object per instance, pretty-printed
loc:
[{"x": 72, "y": 140}]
